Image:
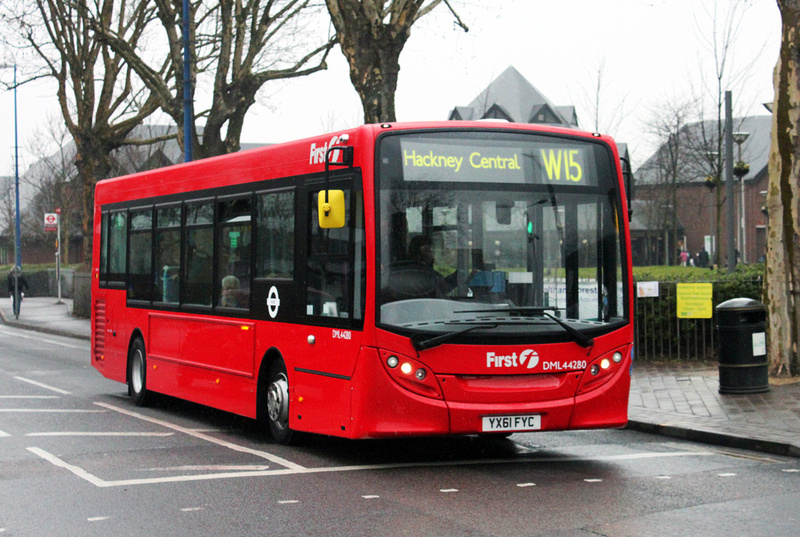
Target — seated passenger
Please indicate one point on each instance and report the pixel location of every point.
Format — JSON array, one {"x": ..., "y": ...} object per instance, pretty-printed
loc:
[{"x": 231, "y": 292}]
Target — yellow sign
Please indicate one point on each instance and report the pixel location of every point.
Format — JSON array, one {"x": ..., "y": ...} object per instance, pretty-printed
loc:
[{"x": 695, "y": 300}]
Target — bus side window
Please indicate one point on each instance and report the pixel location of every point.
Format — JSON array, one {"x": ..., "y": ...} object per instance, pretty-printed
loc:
[
  {"x": 168, "y": 254},
  {"x": 276, "y": 230},
  {"x": 198, "y": 287},
  {"x": 233, "y": 256},
  {"x": 117, "y": 246},
  {"x": 140, "y": 255}
]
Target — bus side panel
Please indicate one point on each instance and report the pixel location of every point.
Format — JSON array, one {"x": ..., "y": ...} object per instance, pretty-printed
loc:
[
  {"x": 319, "y": 404},
  {"x": 319, "y": 362},
  {"x": 224, "y": 345},
  {"x": 207, "y": 361},
  {"x": 606, "y": 406},
  {"x": 209, "y": 387},
  {"x": 382, "y": 408}
]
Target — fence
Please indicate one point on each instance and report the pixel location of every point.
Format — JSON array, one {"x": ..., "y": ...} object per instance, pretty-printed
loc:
[{"x": 660, "y": 335}]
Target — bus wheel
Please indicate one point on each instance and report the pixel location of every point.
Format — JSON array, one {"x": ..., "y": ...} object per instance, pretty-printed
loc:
[
  {"x": 137, "y": 373},
  {"x": 278, "y": 403}
]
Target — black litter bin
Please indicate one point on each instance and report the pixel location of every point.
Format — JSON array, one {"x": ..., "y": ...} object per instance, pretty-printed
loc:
[{"x": 741, "y": 330}]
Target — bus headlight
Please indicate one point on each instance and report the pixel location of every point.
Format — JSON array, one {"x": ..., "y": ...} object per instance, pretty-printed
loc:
[
  {"x": 411, "y": 374},
  {"x": 603, "y": 369}
]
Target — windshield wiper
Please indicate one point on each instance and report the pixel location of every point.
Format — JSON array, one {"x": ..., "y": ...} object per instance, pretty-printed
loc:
[
  {"x": 421, "y": 342},
  {"x": 579, "y": 337}
]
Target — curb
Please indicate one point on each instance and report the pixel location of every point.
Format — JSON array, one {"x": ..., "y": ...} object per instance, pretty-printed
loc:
[{"x": 771, "y": 447}]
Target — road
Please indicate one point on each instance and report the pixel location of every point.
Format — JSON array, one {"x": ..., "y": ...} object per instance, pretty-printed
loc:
[{"x": 78, "y": 458}]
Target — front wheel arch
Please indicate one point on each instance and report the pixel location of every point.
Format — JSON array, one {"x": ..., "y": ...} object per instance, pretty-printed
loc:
[
  {"x": 137, "y": 371},
  {"x": 272, "y": 395}
]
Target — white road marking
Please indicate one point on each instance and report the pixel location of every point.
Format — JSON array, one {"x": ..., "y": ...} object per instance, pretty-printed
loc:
[
  {"x": 190, "y": 509},
  {"x": 726, "y": 475},
  {"x": 212, "y": 468},
  {"x": 45, "y": 386},
  {"x": 17, "y": 334},
  {"x": 53, "y": 410},
  {"x": 298, "y": 471},
  {"x": 79, "y": 433},
  {"x": 522, "y": 485},
  {"x": 97, "y": 518},
  {"x": 791, "y": 470},
  {"x": 4, "y": 434},
  {"x": 288, "y": 501},
  {"x": 29, "y": 397},
  {"x": 448, "y": 490},
  {"x": 593, "y": 480},
  {"x": 207, "y": 438},
  {"x": 370, "y": 497},
  {"x": 663, "y": 477},
  {"x": 80, "y": 472}
]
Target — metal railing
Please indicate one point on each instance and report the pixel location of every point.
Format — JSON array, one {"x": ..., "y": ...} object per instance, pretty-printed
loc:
[{"x": 660, "y": 335}]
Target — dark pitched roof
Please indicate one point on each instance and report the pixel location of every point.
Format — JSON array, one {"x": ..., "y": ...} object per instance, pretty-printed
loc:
[
  {"x": 755, "y": 150},
  {"x": 510, "y": 96}
]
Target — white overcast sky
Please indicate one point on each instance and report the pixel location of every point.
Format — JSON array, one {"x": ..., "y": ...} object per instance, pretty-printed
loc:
[{"x": 652, "y": 52}]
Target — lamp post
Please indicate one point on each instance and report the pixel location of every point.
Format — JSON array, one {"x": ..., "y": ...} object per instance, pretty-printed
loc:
[
  {"x": 740, "y": 170},
  {"x": 17, "y": 242}
]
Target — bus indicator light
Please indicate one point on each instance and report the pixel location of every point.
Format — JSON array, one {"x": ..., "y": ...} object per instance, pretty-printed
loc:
[
  {"x": 406, "y": 368},
  {"x": 392, "y": 361}
]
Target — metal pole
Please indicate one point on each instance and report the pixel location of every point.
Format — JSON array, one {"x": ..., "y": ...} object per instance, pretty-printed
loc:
[
  {"x": 58, "y": 255},
  {"x": 729, "y": 192},
  {"x": 17, "y": 241},
  {"x": 188, "y": 122}
]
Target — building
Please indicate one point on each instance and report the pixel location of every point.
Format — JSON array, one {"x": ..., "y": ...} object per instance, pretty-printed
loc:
[
  {"x": 690, "y": 172},
  {"x": 512, "y": 98}
]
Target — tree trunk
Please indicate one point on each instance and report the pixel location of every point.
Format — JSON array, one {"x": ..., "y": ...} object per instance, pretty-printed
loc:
[
  {"x": 93, "y": 162},
  {"x": 782, "y": 279},
  {"x": 372, "y": 34}
]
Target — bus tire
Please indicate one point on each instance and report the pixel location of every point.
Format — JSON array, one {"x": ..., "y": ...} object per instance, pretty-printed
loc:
[
  {"x": 277, "y": 414},
  {"x": 137, "y": 373}
]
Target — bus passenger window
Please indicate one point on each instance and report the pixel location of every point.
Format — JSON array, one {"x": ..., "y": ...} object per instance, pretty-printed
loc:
[
  {"x": 117, "y": 244},
  {"x": 234, "y": 237},
  {"x": 140, "y": 256},
  {"x": 198, "y": 284},
  {"x": 275, "y": 250},
  {"x": 168, "y": 255}
]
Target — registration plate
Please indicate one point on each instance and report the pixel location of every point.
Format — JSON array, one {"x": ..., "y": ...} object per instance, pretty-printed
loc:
[{"x": 531, "y": 422}]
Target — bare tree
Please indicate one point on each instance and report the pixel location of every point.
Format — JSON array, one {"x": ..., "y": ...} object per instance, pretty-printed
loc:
[
  {"x": 672, "y": 165},
  {"x": 238, "y": 45},
  {"x": 54, "y": 184},
  {"x": 607, "y": 112},
  {"x": 716, "y": 34},
  {"x": 97, "y": 92},
  {"x": 783, "y": 202},
  {"x": 372, "y": 34}
]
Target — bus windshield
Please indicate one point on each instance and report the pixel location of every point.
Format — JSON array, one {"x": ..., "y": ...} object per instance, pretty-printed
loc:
[{"x": 498, "y": 233}]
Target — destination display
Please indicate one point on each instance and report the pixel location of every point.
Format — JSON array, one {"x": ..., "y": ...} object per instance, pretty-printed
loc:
[{"x": 563, "y": 163}]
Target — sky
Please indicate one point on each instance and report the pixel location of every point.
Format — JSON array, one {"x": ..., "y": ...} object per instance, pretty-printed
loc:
[{"x": 650, "y": 53}]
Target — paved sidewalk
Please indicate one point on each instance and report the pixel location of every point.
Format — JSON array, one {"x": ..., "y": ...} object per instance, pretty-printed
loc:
[{"x": 678, "y": 399}]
